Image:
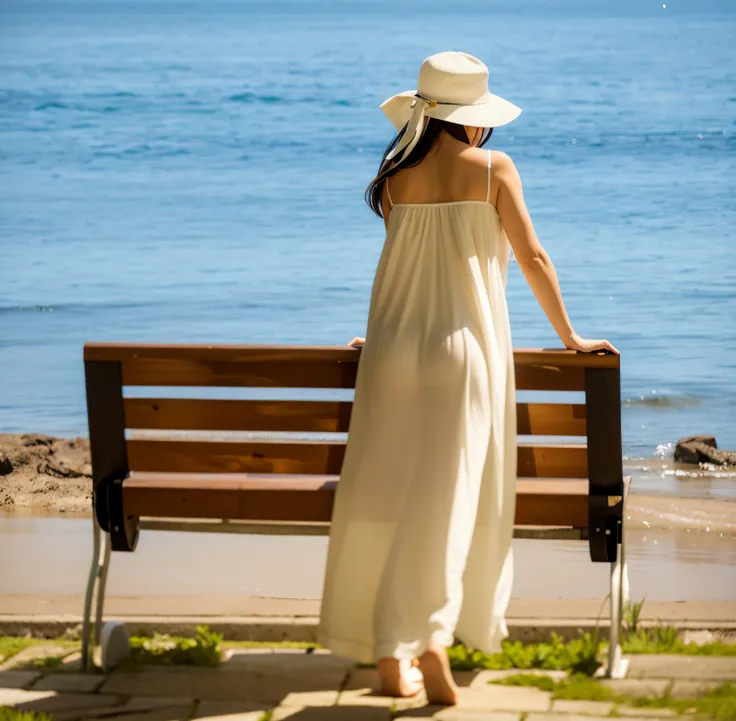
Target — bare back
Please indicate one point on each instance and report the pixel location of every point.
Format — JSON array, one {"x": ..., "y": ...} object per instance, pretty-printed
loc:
[{"x": 451, "y": 172}]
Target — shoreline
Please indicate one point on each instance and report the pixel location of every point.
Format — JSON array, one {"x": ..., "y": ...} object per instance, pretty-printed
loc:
[{"x": 51, "y": 477}]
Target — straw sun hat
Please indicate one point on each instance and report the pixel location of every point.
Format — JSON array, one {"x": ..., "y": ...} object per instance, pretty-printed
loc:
[{"x": 452, "y": 86}]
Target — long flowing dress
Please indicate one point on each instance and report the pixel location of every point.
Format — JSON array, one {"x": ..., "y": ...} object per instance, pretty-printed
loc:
[{"x": 420, "y": 544}]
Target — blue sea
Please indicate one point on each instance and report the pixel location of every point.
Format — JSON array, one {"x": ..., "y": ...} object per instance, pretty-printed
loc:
[{"x": 193, "y": 171}]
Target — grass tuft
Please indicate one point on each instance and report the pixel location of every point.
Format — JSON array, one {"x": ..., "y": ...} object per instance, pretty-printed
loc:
[
  {"x": 718, "y": 704},
  {"x": 11, "y": 645},
  {"x": 665, "y": 639},
  {"x": 529, "y": 680},
  {"x": 203, "y": 650},
  {"x": 308, "y": 647},
  {"x": 13, "y": 714},
  {"x": 49, "y": 663},
  {"x": 580, "y": 655}
]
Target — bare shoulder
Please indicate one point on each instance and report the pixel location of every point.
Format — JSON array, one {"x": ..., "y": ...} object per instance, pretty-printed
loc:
[
  {"x": 476, "y": 167},
  {"x": 477, "y": 157},
  {"x": 504, "y": 168}
]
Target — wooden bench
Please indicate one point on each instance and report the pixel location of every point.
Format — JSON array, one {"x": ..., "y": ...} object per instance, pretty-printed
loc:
[{"x": 154, "y": 468}]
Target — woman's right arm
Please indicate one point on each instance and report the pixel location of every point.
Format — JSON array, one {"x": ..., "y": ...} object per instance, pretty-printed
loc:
[{"x": 533, "y": 260}]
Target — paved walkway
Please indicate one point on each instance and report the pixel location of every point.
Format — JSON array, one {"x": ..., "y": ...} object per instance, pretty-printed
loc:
[
  {"x": 284, "y": 619},
  {"x": 321, "y": 687}
]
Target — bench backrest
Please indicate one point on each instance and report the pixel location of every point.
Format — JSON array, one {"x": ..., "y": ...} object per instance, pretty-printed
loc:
[{"x": 596, "y": 455}]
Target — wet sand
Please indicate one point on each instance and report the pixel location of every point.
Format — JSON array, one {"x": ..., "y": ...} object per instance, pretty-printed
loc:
[
  {"x": 681, "y": 547},
  {"x": 51, "y": 556}
]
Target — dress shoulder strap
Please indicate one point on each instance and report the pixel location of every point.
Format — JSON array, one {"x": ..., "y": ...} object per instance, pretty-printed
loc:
[
  {"x": 388, "y": 192},
  {"x": 488, "y": 191}
]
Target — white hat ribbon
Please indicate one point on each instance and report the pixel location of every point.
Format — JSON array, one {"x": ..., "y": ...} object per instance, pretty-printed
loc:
[
  {"x": 461, "y": 81},
  {"x": 414, "y": 128}
]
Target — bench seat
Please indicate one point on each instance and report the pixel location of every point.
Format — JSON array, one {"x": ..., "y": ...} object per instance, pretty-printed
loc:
[{"x": 561, "y": 502}]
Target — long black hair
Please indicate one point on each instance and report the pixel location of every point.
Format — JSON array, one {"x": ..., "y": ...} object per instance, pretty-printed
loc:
[{"x": 430, "y": 137}]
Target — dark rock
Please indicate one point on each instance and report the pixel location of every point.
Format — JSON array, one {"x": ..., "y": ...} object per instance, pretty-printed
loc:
[
  {"x": 708, "y": 440},
  {"x": 719, "y": 458},
  {"x": 58, "y": 469},
  {"x": 687, "y": 453},
  {"x": 6, "y": 466},
  {"x": 702, "y": 449},
  {"x": 35, "y": 439}
]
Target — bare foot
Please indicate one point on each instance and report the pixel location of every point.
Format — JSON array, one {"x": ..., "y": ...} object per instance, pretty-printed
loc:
[
  {"x": 438, "y": 681},
  {"x": 399, "y": 678}
]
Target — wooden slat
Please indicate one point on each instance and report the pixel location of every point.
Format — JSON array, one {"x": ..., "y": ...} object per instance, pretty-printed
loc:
[
  {"x": 539, "y": 502},
  {"x": 233, "y": 496},
  {"x": 186, "y": 414},
  {"x": 210, "y": 372},
  {"x": 224, "y": 353},
  {"x": 550, "y": 419},
  {"x": 189, "y": 414},
  {"x": 242, "y": 353},
  {"x": 542, "y": 502},
  {"x": 236, "y": 365},
  {"x": 551, "y": 461},
  {"x": 550, "y": 378},
  {"x": 563, "y": 460},
  {"x": 238, "y": 457},
  {"x": 564, "y": 358}
]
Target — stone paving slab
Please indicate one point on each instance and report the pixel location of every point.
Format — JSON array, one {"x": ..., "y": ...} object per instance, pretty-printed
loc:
[
  {"x": 453, "y": 713},
  {"x": 18, "y": 679},
  {"x": 503, "y": 698},
  {"x": 34, "y": 653},
  {"x": 370, "y": 697},
  {"x": 688, "y": 668},
  {"x": 70, "y": 682},
  {"x": 652, "y": 688},
  {"x": 589, "y": 708},
  {"x": 645, "y": 712},
  {"x": 361, "y": 679},
  {"x": 230, "y": 711},
  {"x": 363, "y": 697},
  {"x": 72, "y": 662},
  {"x": 691, "y": 689},
  {"x": 475, "y": 693},
  {"x": 151, "y": 703},
  {"x": 63, "y": 707},
  {"x": 572, "y": 717},
  {"x": 310, "y": 698},
  {"x": 334, "y": 713},
  {"x": 483, "y": 677},
  {"x": 242, "y": 660},
  {"x": 466, "y": 679},
  {"x": 265, "y": 685},
  {"x": 165, "y": 713},
  {"x": 361, "y": 690},
  {"x": 17, "y": 697}
]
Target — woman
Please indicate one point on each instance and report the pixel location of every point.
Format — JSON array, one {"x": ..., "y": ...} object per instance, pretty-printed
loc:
[{"x": 420, "y": 547}]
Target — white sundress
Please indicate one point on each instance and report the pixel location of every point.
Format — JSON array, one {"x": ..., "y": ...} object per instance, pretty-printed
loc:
[{"x": 420, "y": 544}]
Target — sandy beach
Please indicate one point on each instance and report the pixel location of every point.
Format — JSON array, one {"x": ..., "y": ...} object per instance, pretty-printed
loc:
[
  {"x": 52, "y": 476},
  {"x": 680, "y": 548},
  {"x": 49, "y": 475}
]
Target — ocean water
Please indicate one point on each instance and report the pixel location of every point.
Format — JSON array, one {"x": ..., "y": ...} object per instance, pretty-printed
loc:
[{"x": 194, "y": 172}]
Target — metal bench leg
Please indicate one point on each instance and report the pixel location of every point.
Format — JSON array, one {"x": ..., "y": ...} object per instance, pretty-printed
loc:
[
  {"x": 617, "y": 665},
  {"x": 102, "y": 586},
  {"x": 97, "y": 577}
]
